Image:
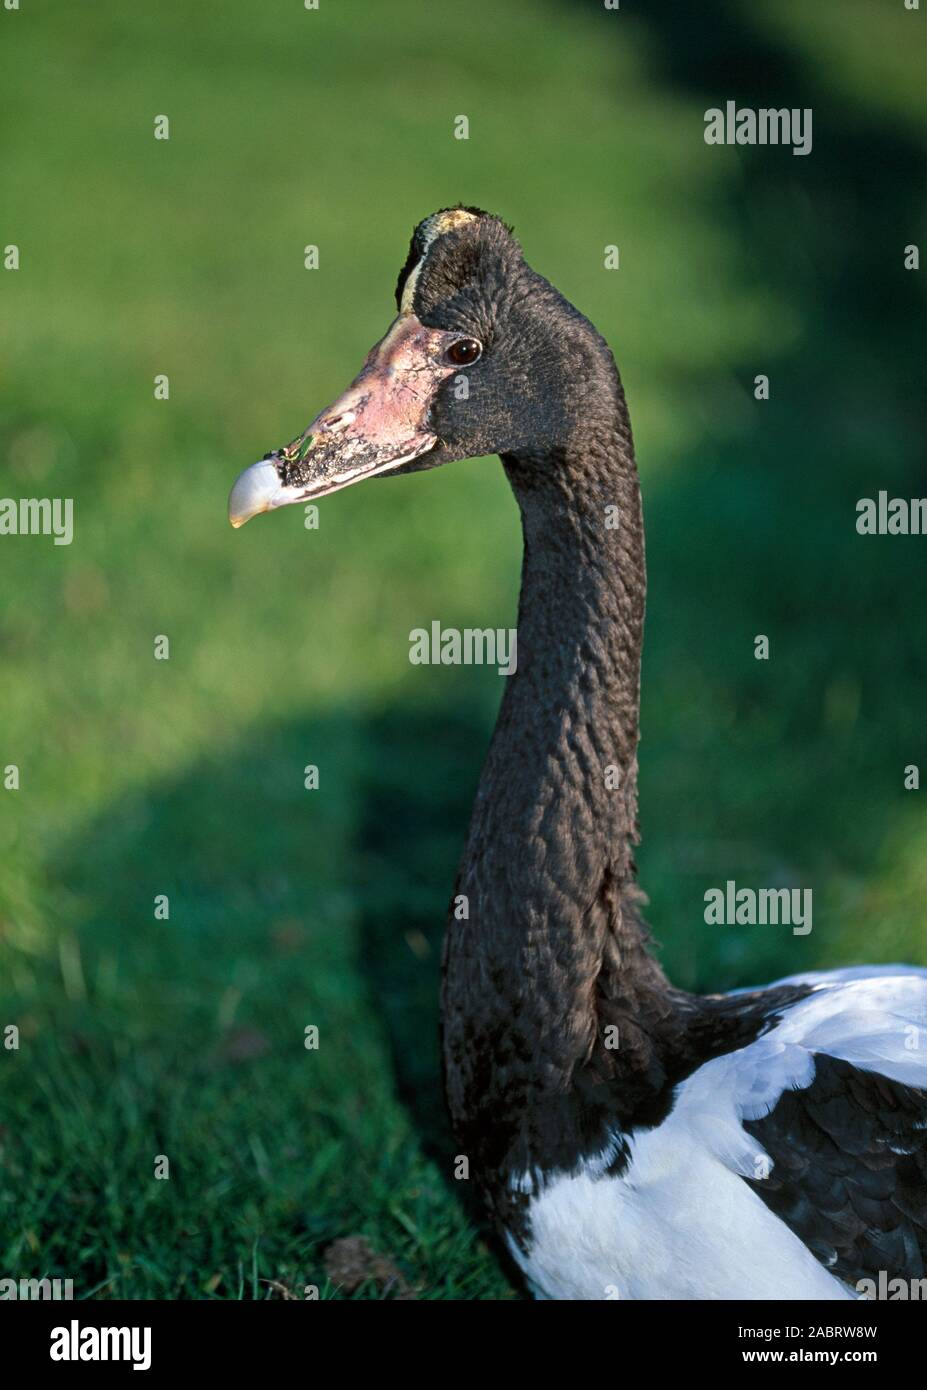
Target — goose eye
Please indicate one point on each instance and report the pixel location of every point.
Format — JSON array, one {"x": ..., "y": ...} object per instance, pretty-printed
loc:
[{"x": 463, "y": 352}]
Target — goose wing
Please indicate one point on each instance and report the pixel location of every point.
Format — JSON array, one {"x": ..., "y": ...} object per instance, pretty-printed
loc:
[
  {"x": 825, "y": 1117},
  {"x": 849, "y": 1171}
]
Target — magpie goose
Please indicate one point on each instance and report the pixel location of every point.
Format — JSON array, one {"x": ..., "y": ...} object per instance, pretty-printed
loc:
[{"x": 631, "y": 1140}]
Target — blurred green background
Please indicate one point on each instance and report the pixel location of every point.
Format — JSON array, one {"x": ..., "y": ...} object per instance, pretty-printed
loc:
[{"x": 184, "y": 777}]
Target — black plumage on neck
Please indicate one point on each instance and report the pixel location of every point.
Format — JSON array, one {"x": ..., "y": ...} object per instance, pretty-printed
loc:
[
  {"x": 561, "y": 1034},
  {"x": 549, "y": 986}
]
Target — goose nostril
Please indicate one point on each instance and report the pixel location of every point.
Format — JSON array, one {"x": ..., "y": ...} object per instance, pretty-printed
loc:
[{"x": 339, "y": 422}]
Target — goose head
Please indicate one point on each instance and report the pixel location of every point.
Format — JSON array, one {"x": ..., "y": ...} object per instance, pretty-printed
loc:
[{"x": 484, "y": 357}]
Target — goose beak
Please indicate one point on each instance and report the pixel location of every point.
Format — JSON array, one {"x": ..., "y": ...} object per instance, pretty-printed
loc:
[{"x": 379, "y": 423}]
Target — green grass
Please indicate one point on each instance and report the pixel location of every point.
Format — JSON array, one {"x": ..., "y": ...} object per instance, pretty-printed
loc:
[{"x": 288, "y": 908}]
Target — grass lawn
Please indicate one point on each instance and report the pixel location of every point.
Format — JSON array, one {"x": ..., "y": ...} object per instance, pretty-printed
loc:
[{"x": 143, "y": 1036}]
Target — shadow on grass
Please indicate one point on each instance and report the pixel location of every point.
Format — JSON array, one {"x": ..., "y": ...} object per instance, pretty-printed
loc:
[{"x": 287, "y": 907}]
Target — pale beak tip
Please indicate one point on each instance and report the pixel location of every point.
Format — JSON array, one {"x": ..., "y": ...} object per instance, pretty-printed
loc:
[{"x": 256, "y": 490}]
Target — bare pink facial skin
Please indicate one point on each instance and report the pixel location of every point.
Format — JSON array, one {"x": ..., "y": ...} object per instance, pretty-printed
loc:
[{"x": 379, "y": 422}]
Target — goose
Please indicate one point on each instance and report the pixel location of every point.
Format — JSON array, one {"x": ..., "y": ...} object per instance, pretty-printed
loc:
[{"x": 630, "y": 1140}]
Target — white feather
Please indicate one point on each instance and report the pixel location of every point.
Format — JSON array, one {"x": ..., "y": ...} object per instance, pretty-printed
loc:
[{"x": 680, "y": 1223}]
